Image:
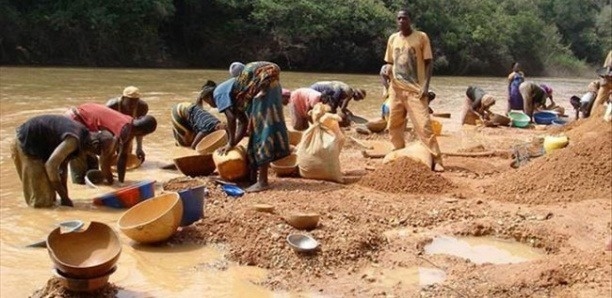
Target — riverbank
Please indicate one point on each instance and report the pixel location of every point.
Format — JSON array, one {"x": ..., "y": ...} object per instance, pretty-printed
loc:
[{"x": 374, "y": 243}]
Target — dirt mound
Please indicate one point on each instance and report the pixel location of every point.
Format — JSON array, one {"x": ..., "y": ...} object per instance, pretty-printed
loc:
[
  {"x": 54, "y": 288},
  {"x": 404, "y": 175},
  {"x": 581, "y": 171}
]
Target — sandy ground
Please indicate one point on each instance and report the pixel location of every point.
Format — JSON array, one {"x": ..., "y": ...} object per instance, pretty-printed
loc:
[{"x": 560, "y": 203}]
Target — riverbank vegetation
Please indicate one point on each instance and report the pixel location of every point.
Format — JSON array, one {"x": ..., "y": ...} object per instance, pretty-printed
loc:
[{"x": 469, "y": 37}]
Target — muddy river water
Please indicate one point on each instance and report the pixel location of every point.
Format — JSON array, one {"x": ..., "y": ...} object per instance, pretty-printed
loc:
[{"x": 159, "y": 271}]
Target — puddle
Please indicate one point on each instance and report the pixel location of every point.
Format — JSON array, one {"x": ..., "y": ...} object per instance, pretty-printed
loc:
[{"x": 481, "y": 250}]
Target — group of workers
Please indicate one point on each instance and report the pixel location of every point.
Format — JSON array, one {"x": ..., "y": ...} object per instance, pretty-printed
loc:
[
  {"x": 88, "y": 137},
  {"x": 92, "y": 136}
]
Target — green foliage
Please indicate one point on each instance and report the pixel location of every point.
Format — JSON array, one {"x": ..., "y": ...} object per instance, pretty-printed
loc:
[{"x": 469, "y": 37}]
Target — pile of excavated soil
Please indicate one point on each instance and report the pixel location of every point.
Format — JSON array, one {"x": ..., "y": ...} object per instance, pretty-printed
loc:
[
  {"x": 181, "y": 183},
  {"x": 405, "y": 175},
  {"x": 54, "y": 288},
  {"x": 581, "y": 171}
]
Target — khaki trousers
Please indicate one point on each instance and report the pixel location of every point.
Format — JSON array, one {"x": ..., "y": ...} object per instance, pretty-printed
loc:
[
  {"x": 603, "y": 94},
  {"x": 37, "y": 189},
  {"x": 408, "y": 103}
]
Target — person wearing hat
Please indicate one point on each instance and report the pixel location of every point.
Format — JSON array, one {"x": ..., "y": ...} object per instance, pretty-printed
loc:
[
  {"x": 191, "y": 122},
  {"x": 477, "y": 105},
  {"x": 43, "y": 148},
  {"x": 124, "y": 128},
  {"x": 341, "y": 95},
  {"x": 130, "y": 104},
  {"x": 534, "y": 97}
]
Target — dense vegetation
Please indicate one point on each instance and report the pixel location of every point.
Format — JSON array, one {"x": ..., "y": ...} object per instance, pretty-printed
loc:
[{"x": 469, "y": 37}]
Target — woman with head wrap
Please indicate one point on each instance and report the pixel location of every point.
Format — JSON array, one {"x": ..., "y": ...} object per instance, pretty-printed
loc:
[
  {"x": 235, "y": 69},
  {"x": 191, "y": 122},
  {"x": 253, "y": 100},
  {"x": 477, "y": 105},
  {"x": 534, "y": 97},
  {"x": 515, "y": 78}
]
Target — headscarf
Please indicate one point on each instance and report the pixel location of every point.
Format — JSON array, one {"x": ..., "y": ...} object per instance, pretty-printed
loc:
[
  {"x": 235, "y": 69},
  {"x": 286, "y": 92},
  {"x": 547, "y": 89}
]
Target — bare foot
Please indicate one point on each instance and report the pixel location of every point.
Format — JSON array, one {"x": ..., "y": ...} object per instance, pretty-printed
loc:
[{"x": 257, "y": 187}]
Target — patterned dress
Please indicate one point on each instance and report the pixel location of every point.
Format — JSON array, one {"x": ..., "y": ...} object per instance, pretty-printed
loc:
[{"x": 268, "y": 140}]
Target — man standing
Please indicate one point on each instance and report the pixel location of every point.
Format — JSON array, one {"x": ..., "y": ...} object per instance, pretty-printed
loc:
[
  {"x": 44, "y": 146},
  {"x": 409, "y": 54},
  {"x": 130, "y": 104}
]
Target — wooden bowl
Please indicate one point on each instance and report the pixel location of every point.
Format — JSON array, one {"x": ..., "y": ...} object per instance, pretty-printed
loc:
[
  {"x": 212, "y": 142},
  {"x": 153, "y": 220},
  {"x": 500, "y": 120},
  {"x": 294, "y": 137},
  {"x": 263, "y": 208},
  {"x": 303, "y": 221},
  {"x": 83, "y": 284},
  {"x": 132, "y": 162},
  {"x": 377, "y": 126},
  {"x": 195, "y": 165},
  {"x": 286, "y": 166},
  {"x": 84, "y": 254}
]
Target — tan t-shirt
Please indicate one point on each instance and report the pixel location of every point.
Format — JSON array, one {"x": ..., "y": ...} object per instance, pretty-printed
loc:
[{"x": 408, "y": 55}]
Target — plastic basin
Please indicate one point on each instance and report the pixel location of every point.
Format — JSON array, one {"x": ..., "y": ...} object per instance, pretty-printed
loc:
[
  {"x": 193, "y": 204},
  {"x": 128, "y": 196},
  {"x": 519, "y": 119},
  {"x": 544, "y": 117}
]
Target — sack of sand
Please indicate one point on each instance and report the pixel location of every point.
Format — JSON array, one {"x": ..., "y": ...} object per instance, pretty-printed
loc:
[
  {"x": 319, "y": 150},
  {"x": 415, "y": 150}
]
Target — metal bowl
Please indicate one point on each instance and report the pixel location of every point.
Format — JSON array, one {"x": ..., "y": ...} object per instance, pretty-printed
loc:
[
  {"x": 302, "y": 243},
  {"x": 83, "y": 284}
]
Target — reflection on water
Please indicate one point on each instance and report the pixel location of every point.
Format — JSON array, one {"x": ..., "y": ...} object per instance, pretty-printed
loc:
[
  {"x": 26, "y": 92},
  {"x": 481, "y": 250}
]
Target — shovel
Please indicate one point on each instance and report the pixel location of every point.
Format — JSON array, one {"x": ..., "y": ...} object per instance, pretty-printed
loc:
[
  {"x": 66, "y": 226},
  {"x": 441, "y": 115}
]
